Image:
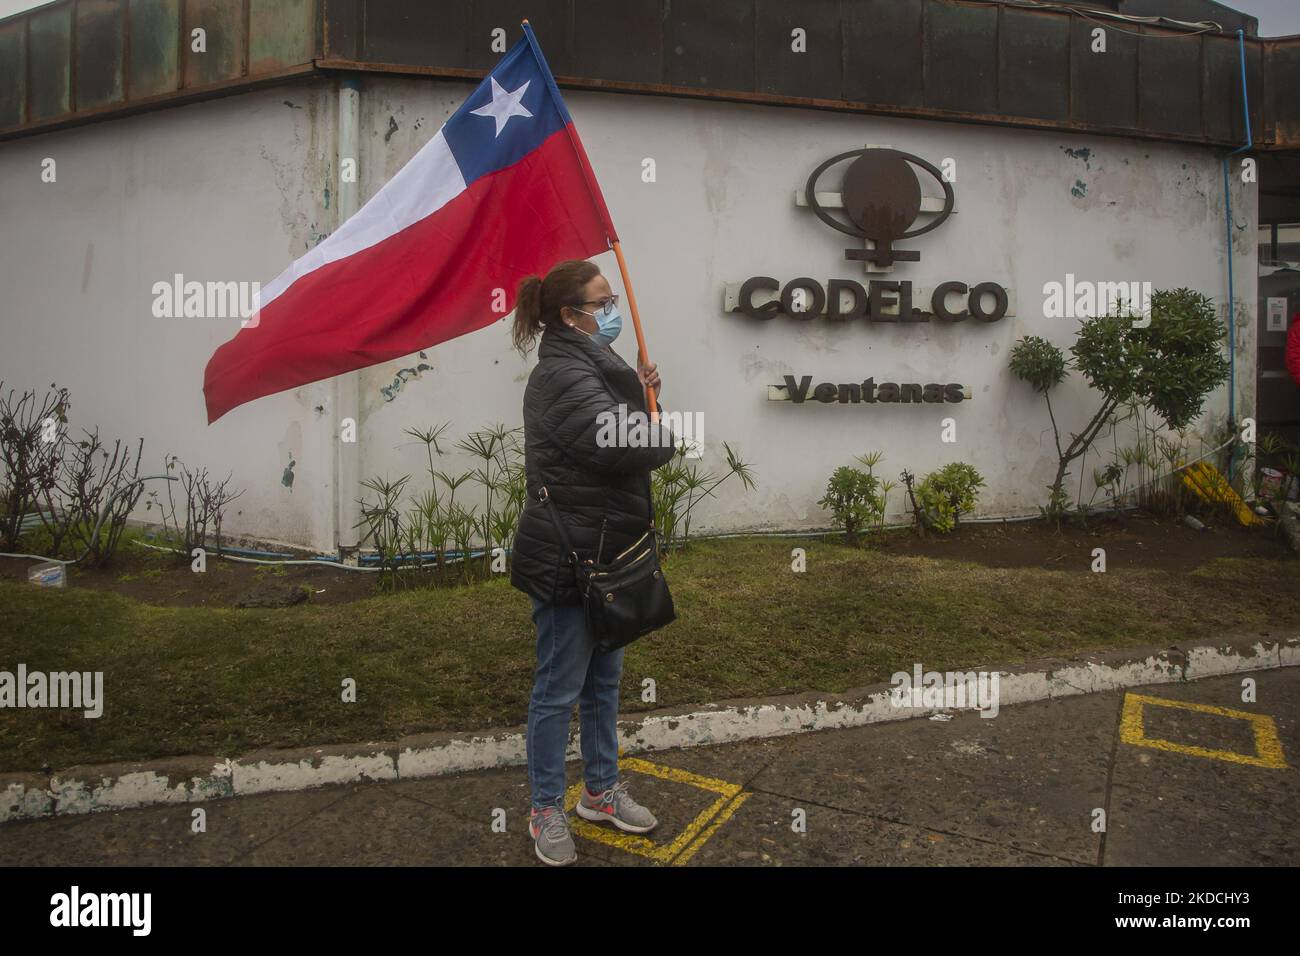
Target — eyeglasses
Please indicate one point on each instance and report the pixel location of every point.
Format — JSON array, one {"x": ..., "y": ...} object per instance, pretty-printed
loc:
[{"x": 606, "y": 305}]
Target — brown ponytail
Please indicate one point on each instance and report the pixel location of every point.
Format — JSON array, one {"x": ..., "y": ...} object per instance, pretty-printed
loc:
[{"x": 538, "y": 301}]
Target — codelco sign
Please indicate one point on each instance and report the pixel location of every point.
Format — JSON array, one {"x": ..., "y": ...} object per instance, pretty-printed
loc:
[
  {"x": 880, "y": 301},
  {"x": 881, "y": 197}
]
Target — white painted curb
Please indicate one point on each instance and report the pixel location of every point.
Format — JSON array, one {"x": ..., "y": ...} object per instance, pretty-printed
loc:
[{"x": 25, "y": 796}]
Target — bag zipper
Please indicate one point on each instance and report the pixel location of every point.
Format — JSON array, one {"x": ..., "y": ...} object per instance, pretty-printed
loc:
[
  {"x": 644, "y": 554},
  {"x": 635, "y": 544}
]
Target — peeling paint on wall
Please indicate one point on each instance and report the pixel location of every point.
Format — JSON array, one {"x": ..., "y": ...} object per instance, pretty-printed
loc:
[
  {"x": 295, "y": 179},
  {"x": 287, "y": 478},
  {"x": 390, "y": 391},
  {"x": 1079, "y": 189},
  {"x": 315, "y": 238},
  {"x": 1084, "y": 154}
]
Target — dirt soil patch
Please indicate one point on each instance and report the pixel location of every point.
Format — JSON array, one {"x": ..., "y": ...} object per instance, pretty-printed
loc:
[
  {"x": 1131, "y": 541},
  {"x": 166, "y": 580}
]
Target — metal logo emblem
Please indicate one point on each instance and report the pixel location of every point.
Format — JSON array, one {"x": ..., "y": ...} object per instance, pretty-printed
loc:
[{"x": 881, "y": 196}]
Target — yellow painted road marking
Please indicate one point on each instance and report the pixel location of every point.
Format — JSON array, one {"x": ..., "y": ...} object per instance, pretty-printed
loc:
[
  {"x": 643, "y": 846},
  {"x": 721, "y": 818},
  {"x": 1268, "y": 746}
]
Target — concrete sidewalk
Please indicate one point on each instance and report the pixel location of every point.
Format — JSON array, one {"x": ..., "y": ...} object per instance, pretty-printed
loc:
[{"x": 1187, "y": 775}]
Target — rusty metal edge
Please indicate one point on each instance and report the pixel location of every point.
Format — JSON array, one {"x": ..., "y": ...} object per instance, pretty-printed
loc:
[
  {"x": 163, "y": 101},
  {"x": 324, "y": 65},
  {"x": 1267, "y": 131},
  {"x": 776, "y": 99}
]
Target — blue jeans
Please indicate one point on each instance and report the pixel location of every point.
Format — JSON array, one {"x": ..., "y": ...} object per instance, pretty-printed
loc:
[{"x": 569, "y": 669}]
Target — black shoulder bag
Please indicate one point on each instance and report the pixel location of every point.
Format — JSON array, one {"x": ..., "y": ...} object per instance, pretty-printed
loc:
[{"x": 624, "y": 598}]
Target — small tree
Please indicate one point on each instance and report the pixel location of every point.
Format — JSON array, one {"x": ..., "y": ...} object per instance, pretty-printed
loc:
[{"x": 1168, "y": 367}]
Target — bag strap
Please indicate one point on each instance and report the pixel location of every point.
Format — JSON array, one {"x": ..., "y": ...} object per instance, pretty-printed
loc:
[{"x": 544, "y": 497}]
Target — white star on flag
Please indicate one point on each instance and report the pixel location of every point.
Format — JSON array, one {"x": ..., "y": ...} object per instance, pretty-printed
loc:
[{"x": 504, "y": 105}]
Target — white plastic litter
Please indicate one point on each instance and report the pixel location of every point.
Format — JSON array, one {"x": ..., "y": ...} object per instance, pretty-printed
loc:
[{"x": 51, "y": 574}]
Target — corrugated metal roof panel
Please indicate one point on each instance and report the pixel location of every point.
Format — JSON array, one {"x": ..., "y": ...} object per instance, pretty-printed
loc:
[
  {"x": 223, "y": 41},
  {"x": 153, "y": 31},
  {"x": 1034, "y": 70},
  {"x": 101, "y": 41},
  {"x": 961, "y": 58},
  {"x": 13, "y": 73},
  {"x": 401, "y": 32},
  {"x": 637, "y": 61},
  {"x": 49, "y": 50},
  {"x": 281, "y": 33},
  {"x": 709, "y": 44},
  {"x": 974, "y": 60},
  {"x": 883, "y": 52},
  {"x": 817, "y": 72}
]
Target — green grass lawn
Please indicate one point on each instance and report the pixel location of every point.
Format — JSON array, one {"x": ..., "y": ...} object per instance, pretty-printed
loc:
[{"x": 225, "y": 681}]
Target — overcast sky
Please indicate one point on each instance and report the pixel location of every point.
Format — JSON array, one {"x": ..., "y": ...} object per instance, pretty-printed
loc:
[{"x": 1276, "y": 17}]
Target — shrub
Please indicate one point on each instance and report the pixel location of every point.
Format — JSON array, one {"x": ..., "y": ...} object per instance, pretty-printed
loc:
[
  {"x": 943, "y": 496},
  {"x": 677, "y": 488},
  {"x": 204, "y": 501},
  {"x": 382, "y": 520},
  {"x": 30, "y": 453},
  {"x": 98, "y": 489},
  {"x": 61, "y": 497},
  {"x": 855, "y": 500},
  {"x": 434, "y": 522}
]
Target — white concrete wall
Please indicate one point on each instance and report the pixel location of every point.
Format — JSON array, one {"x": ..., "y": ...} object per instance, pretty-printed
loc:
[
  {"x": 235, "y": 188},
  {"x": 225, "y": 190}
]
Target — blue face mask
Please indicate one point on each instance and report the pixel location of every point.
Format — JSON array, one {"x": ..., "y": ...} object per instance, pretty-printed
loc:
[{"x": 607, "y": 326}]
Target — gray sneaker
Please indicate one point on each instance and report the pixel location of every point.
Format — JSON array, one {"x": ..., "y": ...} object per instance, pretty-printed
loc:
[
  {"x": 618, "y": 807},
  {"x": 549, "y": 828}
]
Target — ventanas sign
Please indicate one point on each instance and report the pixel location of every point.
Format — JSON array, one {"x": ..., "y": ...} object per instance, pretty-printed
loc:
[
  {"x": 866, "y": 392},
  {"x": 880, "y": 200}
]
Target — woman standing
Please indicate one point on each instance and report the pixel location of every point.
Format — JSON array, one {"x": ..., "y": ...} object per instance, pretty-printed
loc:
[{"x": 601, "y": 492}]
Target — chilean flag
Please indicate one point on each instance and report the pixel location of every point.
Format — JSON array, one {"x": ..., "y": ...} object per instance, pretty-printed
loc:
[{"x": 504, "y": 190}]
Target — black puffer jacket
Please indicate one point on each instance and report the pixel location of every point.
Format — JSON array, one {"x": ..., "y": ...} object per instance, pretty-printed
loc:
[{"x": 574, "y": 382}]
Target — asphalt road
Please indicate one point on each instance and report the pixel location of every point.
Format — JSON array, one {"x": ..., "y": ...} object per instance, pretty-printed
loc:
[{"x": 1200, "y": 779}]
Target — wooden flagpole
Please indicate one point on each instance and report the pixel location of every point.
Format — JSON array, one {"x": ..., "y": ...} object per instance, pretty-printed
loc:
[{"x": 643, "y": 356}]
